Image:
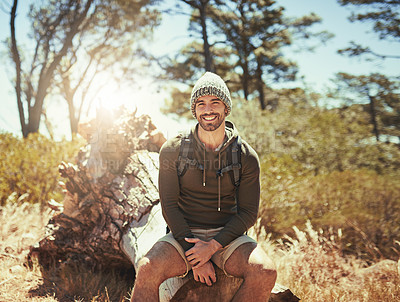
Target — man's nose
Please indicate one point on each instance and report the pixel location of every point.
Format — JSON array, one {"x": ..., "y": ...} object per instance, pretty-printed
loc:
[{"x": 208, "y": 108}]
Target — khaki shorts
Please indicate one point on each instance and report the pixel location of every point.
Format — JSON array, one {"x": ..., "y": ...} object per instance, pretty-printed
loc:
[{"x": 220, "y": 257}]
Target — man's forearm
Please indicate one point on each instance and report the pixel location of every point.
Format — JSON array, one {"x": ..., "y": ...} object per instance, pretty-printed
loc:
[
  {"x": 202, "y": 251},
  {"x": 214, "y": 245}
]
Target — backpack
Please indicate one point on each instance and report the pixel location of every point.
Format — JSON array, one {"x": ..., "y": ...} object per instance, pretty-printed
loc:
[{"x": 185, "y": 159}]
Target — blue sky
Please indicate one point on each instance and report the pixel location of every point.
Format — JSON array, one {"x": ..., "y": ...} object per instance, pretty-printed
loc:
[
  {"x": 320, "y": 66},
  {"x": 317, "y": 67}
]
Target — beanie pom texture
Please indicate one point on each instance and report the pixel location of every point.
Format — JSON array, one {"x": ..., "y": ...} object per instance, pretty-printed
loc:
[{"x": 210, "y": 84}]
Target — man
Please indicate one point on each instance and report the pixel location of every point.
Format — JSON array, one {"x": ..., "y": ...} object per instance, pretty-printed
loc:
[{"x": 206, "y": 214}]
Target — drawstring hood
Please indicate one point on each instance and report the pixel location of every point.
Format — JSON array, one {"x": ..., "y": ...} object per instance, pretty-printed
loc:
[
  {"x": 230, "y": 136},
  {"x": 204, "y": 166},
  {"x": 219, "y": 182}
]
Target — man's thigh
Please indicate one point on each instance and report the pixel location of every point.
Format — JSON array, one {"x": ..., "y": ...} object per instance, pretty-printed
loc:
[
  {"x": 247, "y": 257},
  {"x": 165, "y": 260}
]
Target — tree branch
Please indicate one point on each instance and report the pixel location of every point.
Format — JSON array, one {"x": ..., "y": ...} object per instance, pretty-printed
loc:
[
  {"x": 357, "y": 50},
  {"x": 44, "y": 81}
]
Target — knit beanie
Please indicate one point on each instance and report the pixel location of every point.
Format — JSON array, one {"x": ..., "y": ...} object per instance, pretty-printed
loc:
[{"x": 210, "y": 84}]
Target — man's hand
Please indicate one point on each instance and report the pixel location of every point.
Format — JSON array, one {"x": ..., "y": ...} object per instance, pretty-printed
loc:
[
  {"x": 201, "y": 252},
  {"x": 205, "y": 273}
]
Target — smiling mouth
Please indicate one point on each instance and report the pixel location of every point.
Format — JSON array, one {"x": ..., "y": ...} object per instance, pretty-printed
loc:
[{"x": 209, "y": 118}]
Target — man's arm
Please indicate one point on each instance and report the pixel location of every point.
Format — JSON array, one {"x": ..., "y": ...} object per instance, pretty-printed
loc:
[
  {"x": 201, "y": 252},
  {"x": 168, "y": 184},
  {"x": 248, "y": 199}
]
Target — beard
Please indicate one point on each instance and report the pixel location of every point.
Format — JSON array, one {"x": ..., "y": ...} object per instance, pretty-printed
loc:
[{"x": 213, "y": 124}]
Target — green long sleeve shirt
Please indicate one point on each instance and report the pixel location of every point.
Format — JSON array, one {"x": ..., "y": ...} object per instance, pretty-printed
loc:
[{"x": 191, "y": 201}]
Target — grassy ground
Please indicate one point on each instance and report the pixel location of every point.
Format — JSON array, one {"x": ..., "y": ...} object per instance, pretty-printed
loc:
[
  {"x": 313, "y": 267},
  {"x": 310, "y": 264},
  {"x": 23, "y": 226},
  {"x": 20, "y": 228}
]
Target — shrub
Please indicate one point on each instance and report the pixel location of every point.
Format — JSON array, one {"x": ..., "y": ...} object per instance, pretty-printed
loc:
[
  {"x": 364, "y": 205},
  {"x": 29, "y": 167},
  {"x": 311, "y": 264},
  {"x": 321, "y": 140}
]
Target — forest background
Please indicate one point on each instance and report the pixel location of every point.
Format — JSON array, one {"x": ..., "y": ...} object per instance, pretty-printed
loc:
[{"x": 327, "y": 130}]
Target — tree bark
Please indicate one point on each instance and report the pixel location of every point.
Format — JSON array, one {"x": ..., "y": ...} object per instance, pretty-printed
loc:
[
  {"x": 372, "y": 113},
  {"x": 18, "y": 70},
  {"x": 31, "y": 123},
  {"x": 201, "y": 5},
  {"x": 113, "y": 184},
  {"x": 206, "y": 47},
  {"x": 189, "y": 290},
  {"x": 260, "y": 84}
]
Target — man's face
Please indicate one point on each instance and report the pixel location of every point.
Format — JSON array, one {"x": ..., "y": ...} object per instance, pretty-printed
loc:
[{"x": 210, "y": 112}]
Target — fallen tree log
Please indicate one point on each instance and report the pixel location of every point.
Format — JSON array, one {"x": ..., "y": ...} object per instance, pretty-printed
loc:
[
  {"x": 111, "y": 215},
  {"x": 189, "y": 290},
  {"x": 113, "y": 184}
]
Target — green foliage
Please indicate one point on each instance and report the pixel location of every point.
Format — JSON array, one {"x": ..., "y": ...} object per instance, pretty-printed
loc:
[
  {"x": 385, "y": 18},
  {"x": 322, "y": 165},
  {"x": 244, "y": 41},
  {"x": 255, "y": 31},
  {"x": 322, "y": 140},
  {"x": 384, "y": 15},
  {"x": 340, "y": 140},
  {"x": 187, "y": 64},
  {"x": 178, "y": 104},
  {"x": 364, "y": 205},
  {"x": 267, "y": 130},
  {"x": 29, "y": 167},
  {"x": 378, "y": 95}
]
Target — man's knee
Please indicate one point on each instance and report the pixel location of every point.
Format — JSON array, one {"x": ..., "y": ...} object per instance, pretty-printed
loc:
[
  {"x": 148, "y": 273},
  {"x": 262, "y": 272},
  {"x": 146, "y": 267},
  {"x": 250, "y": 261},
  {"x": 156, "y": 267},
  {"x": 261, "y": 266}
]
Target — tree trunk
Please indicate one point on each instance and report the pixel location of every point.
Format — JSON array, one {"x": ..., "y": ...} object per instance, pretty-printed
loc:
[
  {"x": 260, "y": 85},
  {"x": 113, "y": 184},
  {"x": 189, "y": 290},
  {"x": 73, "y": 118},
  {"x": 18, "y": 69},
  {"x": 245, "y": 78},
  {"x": 372, "y": 112},
  {"x": 206, "y": 47},
  {"x": 111, "y": 214}
]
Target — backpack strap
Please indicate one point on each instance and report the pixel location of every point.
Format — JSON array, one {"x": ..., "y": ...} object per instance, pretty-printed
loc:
[
  {"x": 236, "y": 161},
  {"x": 183, "y": 154},
  {"x": 235, "y": 168},
  {"x": 185, "y": 158}
]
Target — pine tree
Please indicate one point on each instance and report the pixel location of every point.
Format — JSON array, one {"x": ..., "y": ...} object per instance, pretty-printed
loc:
[
  {"x": 385, "y": 17},
  {"x": 379, "y": 95}
]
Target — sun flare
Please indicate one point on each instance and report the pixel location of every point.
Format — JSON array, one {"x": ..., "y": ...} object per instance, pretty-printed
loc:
[{"x": 143, "y": 96}]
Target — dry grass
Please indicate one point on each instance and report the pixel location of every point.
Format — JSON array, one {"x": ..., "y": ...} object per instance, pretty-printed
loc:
[
  {"x": 23, "y": 226},
  {"x": 311, "y": 265}
]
